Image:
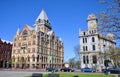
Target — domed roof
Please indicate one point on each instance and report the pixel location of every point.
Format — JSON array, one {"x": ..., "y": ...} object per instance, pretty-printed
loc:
[{"x": 91, "y": 17}]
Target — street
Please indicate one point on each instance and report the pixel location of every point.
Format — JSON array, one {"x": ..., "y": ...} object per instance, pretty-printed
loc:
[
  {"x": 24, "y": 73},
  {"x": 19, "y": 73}
]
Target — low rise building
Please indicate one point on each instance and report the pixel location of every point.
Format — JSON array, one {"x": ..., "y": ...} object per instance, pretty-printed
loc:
[
  {"x": 5, "y": 53},
  {"x": 94, "y": 44}
]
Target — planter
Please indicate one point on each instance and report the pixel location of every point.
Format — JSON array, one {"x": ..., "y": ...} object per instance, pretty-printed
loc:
[
  {"x": 75, "y": 76},
  {"x": 53, "y": 75},
  {"x": 37, "y": 75},
  {"x": 118, "y": 75}
]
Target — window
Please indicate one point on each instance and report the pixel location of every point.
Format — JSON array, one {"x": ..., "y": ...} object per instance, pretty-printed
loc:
[
  {"x": 14, "y": 44},
  {"x": 18, "y": 50},
  {"x": 18, "y": 59},
  {"x": 33, "y": 65},
  {"x": 86, "y": 48},
  {"x": 29, "y": 43},
  {"x": 24, "y": 37},
  {"x": 28, "y": 65},
  {"x": 25, "y": 32},
  {"x": 28, "y": 58},
  {"x": 87, "y": 59},
  {"x": 34, "y": 36},
  {"x": 83, "y": 40},
  {"x": 94, "y": 59},
  {"x": 93, "y": 47},
  {"x": 19, "y": 44},
  {"x": 38, "y": 58},
  {"x": 28, "y": 50},
  {"x": 33, "y": 49},
  {"x": 33, "y": 42},
  {"x": 14, "y": 51},
  {"x": 84, "y": 59},
  {"x": 33, "y": 58},
  {"x": 83, "y": 33},
  {"x": 93, "y": 39}
]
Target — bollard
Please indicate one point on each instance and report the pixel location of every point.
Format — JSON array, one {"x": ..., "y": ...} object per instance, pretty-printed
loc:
[
  {"x": 37, "y": 75},
  {"x": 53, "y": 75}
]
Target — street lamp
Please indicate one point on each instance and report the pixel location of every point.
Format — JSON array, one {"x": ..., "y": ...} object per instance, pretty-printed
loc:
[
  {"x": 7, "y": 63},
  {"x": 106, "y": 71}
]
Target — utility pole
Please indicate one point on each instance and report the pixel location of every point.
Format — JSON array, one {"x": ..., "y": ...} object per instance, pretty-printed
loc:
[{"x": 106, "y": 71}]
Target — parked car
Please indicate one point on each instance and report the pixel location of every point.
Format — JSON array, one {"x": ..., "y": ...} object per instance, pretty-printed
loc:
[
  {"x": 86, "y": 69},
  {"x": 52, "y": 69},
  {"x": 67, "y": 70},
  {"x": 113, "y": 70}
]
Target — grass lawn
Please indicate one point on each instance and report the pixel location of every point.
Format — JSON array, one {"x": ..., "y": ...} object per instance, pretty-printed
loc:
[{"x": 80, "y": 75}]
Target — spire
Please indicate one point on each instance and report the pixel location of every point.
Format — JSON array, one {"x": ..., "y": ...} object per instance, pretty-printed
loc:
[
  {"x": 42, "y": 16},
  {"x": 18, "y": 31}
]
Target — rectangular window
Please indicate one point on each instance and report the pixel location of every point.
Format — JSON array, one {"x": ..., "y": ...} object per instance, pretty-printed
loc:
[
  {"x": 93, "y": 47},
  {"x": 28, "y": 50},
  {"x": 33, "y": 42},
  {"x": 94, "y": 59},
  {"x": 33, "y": 49},
  {"x": 33, "y": 65},
  {"x": 85, "y": 40}
]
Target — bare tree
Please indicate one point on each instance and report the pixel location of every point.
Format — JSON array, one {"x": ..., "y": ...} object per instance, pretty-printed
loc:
[
  {"x": 77, "y": 51},
  {"x": 72, "y": 62},
  {"x": 109, "y": 20}
]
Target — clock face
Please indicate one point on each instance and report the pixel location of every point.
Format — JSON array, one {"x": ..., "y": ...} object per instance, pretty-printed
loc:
[{"x": 92, "y": 24}]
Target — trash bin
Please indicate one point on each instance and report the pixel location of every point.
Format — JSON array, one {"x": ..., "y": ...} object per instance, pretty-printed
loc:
[
  {"x": 37, "y": 75},
  {"x": 53, "y": 75}
]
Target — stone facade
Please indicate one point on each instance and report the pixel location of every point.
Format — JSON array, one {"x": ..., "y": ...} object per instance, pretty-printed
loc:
[
  {"x": 93, "y": 45},
  {"x": 5, "y": 53},
  {"x": 38, "y": 46}
]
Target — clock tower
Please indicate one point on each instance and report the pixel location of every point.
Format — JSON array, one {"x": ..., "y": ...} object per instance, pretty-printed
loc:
[{"x": 92, "y": 24}]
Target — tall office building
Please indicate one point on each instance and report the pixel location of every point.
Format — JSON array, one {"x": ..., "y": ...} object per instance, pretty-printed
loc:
[{"x": 37, "y": 46}]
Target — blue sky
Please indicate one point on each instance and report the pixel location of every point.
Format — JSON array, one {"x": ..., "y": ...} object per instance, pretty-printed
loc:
[{"x": 66, "y": 17}]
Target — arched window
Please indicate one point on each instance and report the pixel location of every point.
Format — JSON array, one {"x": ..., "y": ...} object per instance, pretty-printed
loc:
[
  {"x": 25, "y": 32},
  {"x": 38, "y": 58},
  {"x": 93, "y": 39},
  {"x": 33, "y": 57},
  {"x": 28, "y": 58},
  {"x": 18, "y": 59}
]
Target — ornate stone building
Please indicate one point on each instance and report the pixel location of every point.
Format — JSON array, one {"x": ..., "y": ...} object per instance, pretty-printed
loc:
[
  {"x": 37, "y": 46},
  {"x": 5, "y": 53},
  {"x": 94, "y": 44}
]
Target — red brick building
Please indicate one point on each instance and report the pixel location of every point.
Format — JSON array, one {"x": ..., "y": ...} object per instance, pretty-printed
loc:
[{"x": 5, "y": 53}]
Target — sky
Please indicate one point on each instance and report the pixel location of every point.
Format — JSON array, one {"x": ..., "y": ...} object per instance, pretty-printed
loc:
[{"x": 65, "y": 16}]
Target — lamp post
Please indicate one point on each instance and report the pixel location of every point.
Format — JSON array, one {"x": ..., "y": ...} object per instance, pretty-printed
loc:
[
  {"x": 7, "y": 60},
  {"x": 106, "y": 71}
]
